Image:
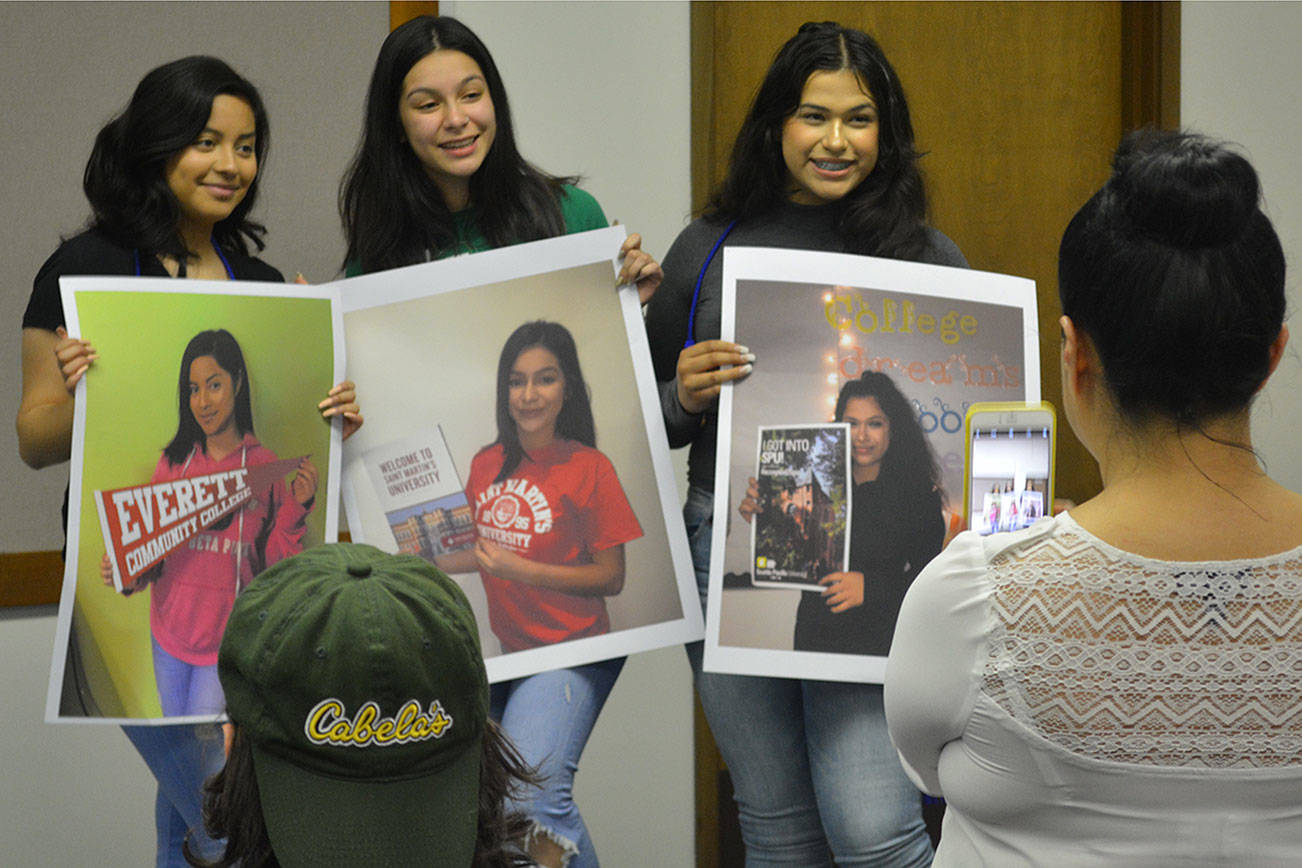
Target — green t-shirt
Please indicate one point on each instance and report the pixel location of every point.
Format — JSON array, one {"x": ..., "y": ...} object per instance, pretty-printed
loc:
[{"x": 579, "y": 210}]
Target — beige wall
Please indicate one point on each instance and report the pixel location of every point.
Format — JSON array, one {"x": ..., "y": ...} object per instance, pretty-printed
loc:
[{"x": 1241, "y": 80}]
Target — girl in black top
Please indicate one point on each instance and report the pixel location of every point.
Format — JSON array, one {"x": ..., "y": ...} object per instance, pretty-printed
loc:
[
  {"x": 825, "y": 160},
  {"x": 171, "y": 182}
]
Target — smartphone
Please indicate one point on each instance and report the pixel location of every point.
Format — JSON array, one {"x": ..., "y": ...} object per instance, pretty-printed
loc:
[{"x": 1008, "y": 474}]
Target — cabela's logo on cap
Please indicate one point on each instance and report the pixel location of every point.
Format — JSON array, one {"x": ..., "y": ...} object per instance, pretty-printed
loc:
[{"x": 328, "y": 724}]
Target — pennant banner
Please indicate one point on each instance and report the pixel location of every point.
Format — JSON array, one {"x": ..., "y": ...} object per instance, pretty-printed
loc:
[{"x": 142, "y": 524}]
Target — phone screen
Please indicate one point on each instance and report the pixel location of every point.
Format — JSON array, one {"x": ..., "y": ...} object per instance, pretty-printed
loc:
[{"x": 1010, "y": 474}]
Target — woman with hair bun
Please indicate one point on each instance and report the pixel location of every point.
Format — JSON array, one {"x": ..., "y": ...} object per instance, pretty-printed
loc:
[
  {"x": 1122, "y": 684},
  {"x": 171, "y": 182},
  {"x": 825, "y": 160}
]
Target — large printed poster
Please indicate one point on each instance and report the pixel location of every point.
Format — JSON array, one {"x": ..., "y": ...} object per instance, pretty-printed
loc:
[
  {"x": 943, "y": 338},
  {"x": 437, "y": 350},
  {"x": 199, "y": 458}
]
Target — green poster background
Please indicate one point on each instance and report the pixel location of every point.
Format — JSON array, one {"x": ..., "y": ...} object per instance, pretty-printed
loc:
[{"x": 131, "y": 414}]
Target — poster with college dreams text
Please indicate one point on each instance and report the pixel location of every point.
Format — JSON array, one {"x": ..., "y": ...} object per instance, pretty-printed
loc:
[
  {"x": 513, "y": 437},
  {"x": 199, "y": 459},
  {"x": 894, "y": 352}
]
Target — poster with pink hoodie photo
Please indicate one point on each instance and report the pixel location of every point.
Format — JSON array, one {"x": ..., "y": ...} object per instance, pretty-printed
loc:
[{"x": 199, "y": 459}]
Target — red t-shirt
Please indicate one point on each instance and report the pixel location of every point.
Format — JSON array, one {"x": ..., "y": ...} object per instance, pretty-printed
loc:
[{"x": 560, "y": 505}]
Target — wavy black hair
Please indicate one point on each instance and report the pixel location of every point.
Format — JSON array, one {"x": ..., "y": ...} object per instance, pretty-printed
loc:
[
  {"x": 886, "y": 214},
  {"x": 1177, "y": 277},
  {"x": 393, "y": 214},
  {"x": 575, "y": 419},
  {"x": 909, "y": 461},
  {"x": 232, "y": 808},
  {"x": 222, "y": 346},
  {"x": 125, "y": 178}
]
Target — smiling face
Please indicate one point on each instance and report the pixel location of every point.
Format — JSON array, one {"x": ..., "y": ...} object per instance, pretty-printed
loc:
[
  {"x": 211, "y": 176},
  {"x": 536, "y": 391},
  {"x": 870, "y": 437},
  {"x": 212, "y": 398},
  {"x": 830, "y": 144},
  {"x": 448, "y": 119}
]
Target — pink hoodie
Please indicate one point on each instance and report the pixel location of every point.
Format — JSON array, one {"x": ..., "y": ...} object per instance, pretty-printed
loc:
[{"x": 192, "y": 597}]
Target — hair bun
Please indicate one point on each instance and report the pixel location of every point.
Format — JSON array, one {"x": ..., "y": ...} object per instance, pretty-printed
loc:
[
  {"x": 1183, "y": 189},
  {"x": 818, "y": 26}
]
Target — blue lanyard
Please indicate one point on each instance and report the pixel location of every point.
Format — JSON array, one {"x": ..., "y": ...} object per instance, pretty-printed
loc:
[
  {"x": 700, "y": 278},
  {"x": 180, "y": 270}
]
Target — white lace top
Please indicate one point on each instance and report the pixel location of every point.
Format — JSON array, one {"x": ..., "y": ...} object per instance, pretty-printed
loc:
[{"x": 1081, "y": 705}]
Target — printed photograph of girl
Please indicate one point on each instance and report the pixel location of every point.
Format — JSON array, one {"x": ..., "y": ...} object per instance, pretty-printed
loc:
[
  {"x": 530, "y": 416},
  {"x": 193, "y": 589},
  {"x": 550, "y": 515},
  {"x": 895, "y": 523},
  {"x": 218, "y": 384},
  {"x": 897, "y": 351}
]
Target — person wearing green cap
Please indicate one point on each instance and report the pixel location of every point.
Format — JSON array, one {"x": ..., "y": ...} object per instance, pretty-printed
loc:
[{"x": 361, "y": 734}]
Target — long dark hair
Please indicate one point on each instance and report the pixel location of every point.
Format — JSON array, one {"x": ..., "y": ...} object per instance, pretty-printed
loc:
[
  {"x": 393, "y": 214},
  {"x": 885, "y": 215},
  {"x": 1177, "y": 277},
  {"x": 909, "y": 461},
  {"x": 222, "y": 346},
  {"x": 575, "y": 419},
  {"x": 232, "y": 808},
  {"x": 124, "y": 178}
]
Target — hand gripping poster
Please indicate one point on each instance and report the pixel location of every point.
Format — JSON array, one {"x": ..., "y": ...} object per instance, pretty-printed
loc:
[
  {"x": 513, "y": 437},
  {"x": 199, "y": 459},
  {"x": 809, "y": 562}
]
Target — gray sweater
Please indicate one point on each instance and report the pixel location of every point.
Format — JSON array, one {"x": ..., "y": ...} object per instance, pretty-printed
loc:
[{"x": 804, "y": 227}]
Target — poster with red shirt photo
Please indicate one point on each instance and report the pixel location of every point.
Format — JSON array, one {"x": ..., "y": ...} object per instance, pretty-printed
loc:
[
  {"x": 199, "y": 459},
  {"x": 514, "y": 438}
]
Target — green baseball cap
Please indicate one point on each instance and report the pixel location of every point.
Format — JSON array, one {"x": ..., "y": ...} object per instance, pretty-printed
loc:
[{"x": 358, "y": 679}]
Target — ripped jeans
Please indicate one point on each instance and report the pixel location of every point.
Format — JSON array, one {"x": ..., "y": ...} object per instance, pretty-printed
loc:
[{"x": 549, "y": 716}]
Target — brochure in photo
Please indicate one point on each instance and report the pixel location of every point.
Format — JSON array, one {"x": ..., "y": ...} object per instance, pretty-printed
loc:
[
  {"x": 798, "y": 534},
  {"x": 421, "y": 495}
]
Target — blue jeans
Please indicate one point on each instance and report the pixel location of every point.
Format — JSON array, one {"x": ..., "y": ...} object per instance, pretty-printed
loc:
[
  {"x": 184, "y": 688},
  {"x": 813, "y": 770},
  {"x": 181, "y": 758},
  {"x": 549, "y": 716}
]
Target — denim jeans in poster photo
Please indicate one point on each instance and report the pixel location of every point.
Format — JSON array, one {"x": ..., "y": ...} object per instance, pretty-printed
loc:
[
  {"x": 812, "y": 766},
  {"x": 181, "y": 757}
]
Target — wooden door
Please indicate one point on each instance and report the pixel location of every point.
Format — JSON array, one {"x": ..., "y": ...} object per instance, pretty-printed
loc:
[{"x": 1017, "y": 106}]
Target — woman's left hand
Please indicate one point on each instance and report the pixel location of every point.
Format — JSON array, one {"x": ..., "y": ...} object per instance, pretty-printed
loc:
[
  {"x": 303, "y": 485},
  {"x": 843, "y": 591},
  {"x": 639, "y": 268},
  {"x": 342, "y": 401},
  {"x": 500, "y": 562}
]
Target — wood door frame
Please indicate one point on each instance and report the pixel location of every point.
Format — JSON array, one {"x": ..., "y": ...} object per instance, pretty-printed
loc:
[{"x": 1150, "y": 83}]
